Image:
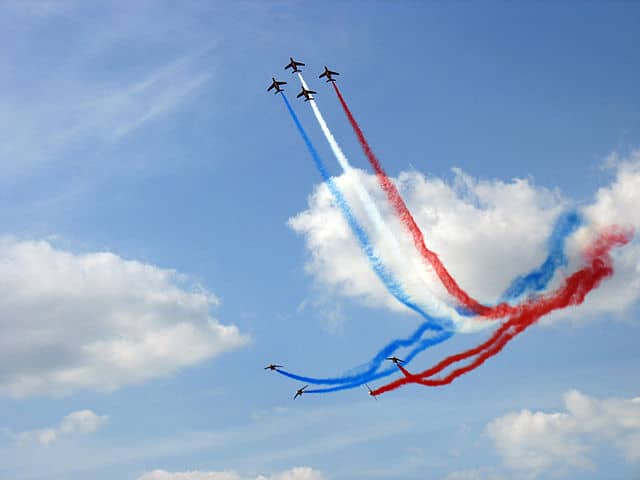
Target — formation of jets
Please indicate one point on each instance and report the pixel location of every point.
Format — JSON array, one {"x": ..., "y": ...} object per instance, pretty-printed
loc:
[
  {"x": 293, "y": 65},
  {"x": 300, "y": 391}
]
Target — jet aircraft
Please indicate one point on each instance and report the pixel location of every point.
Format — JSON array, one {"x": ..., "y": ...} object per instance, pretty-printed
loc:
[
  {"x": 276, "y": 84},
  {"x": 328, "y": 73},
  {"x": 395, "y": 360},
  {"x": 370, "y": 391},
  {"x": 306, "y": 94},
  {"x": 294, "y": 65},
  {"x": 300, "y": 392},
  {"x": 273, "y": 367}
]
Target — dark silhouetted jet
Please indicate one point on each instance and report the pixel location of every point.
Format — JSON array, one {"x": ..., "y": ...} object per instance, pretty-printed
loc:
[
  {"x": 294, "y": 65},
  {"x": 306, "y": 94},
  {"x": 300, "y": 392},
  {"x": 276, "y": 84},
  {"x": 328, "y": 73},
  {"x": 395, "y": 360},
  {"x": 273, "y": 367}
]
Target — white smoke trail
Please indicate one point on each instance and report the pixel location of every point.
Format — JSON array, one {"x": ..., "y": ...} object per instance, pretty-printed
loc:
[{"x": 434, "y": 306}]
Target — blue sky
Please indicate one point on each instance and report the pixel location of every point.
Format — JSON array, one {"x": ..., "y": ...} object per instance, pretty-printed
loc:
[{"x": 144, "y": 129}]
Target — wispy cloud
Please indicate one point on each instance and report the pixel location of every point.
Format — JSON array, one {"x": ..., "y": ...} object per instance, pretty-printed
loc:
[
  {"x": 122, "y": 110},
  {"x": 302, "y": 435},
  {"x": 79, "y": 422},
  {"x": 98, "y": 91}
]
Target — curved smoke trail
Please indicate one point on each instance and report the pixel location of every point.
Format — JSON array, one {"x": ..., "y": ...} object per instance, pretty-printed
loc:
[
  {"x": 501, "y": 310},
  {"x": 572, "y": 292},
  {"x": 537, "y": 280},
  {"x": 565, "y": 225}
]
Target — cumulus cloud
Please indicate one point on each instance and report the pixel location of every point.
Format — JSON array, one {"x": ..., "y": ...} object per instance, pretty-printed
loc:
[
  {"x": 613, "y": 204},
  {"x": 97, "y": 321},
  {"x": 296, "y": 473},
  {"x": 539, "y": 442},
  {"x": 486, "y": 232},
  {"x": 79, "y": 422}
]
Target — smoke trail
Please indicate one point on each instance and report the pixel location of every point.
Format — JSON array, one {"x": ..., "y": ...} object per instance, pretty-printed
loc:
[
  {"x": 535, "y": 280},
  {"x": 351, "y": 381},
  {"x": 572, "y": 292},
  {"x": 434, "y": 306},
  {"x": 390, "y": 283},
  {"x": 538, "y": 279},
  {"x": 354, "y": 381},
  {"x": 562, "y": 229},
  {"x": 407, "y": 219}
]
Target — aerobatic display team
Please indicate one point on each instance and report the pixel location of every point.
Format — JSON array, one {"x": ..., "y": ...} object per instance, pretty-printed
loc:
[{"x": 451, "y": 310}]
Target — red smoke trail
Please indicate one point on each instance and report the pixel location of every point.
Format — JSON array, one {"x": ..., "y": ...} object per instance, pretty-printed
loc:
[
  {"x": 572, "y": 292},
  {"x": 407, "y": 219}
]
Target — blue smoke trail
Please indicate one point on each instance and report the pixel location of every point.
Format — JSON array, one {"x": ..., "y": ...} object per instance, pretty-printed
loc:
[
  {"x": 390, "y": 283},
  {"x": 537, "y": 280},
  {"x": 371, "y": 375}
]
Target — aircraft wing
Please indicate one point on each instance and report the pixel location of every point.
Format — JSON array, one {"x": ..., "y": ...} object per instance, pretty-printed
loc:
[{"x": 271, "y": 87}]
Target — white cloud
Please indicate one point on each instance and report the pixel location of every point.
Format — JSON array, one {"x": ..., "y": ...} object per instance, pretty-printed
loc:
[
  {"x": 476, "y": 474},
  {"x": 81, "y": 421},
  {"x": 613, "y": 204},
  {"x": 97, "y": 321},
  {"x": 164, "y": 475},
  {"x": 296, "y": 473},
  {"x": 539, "y": 442},
  {"x": 473, "y": 225}
]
